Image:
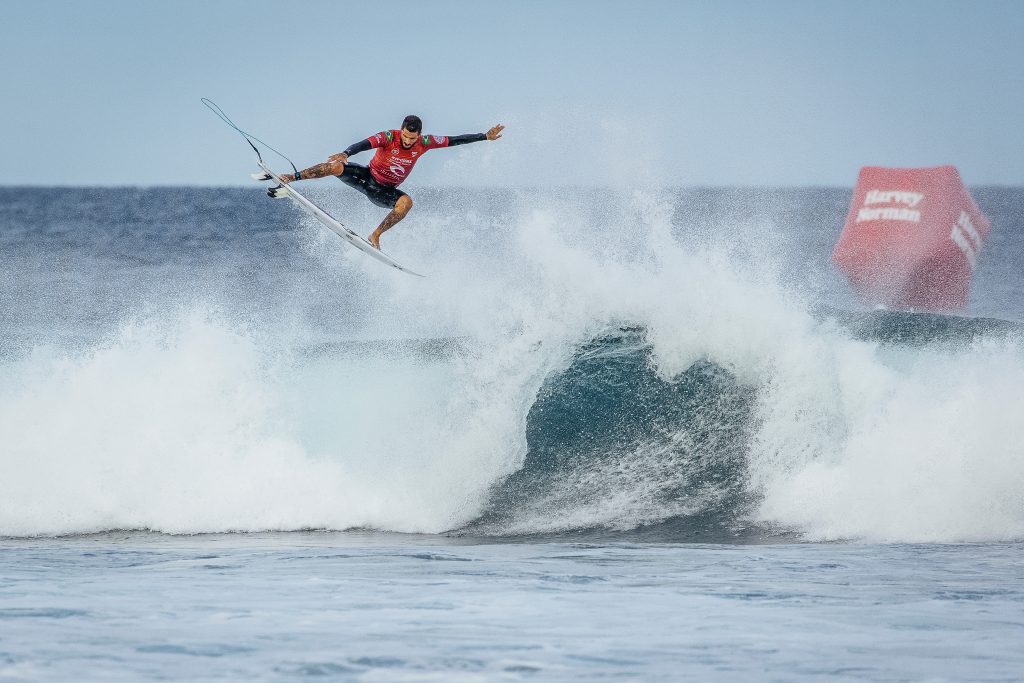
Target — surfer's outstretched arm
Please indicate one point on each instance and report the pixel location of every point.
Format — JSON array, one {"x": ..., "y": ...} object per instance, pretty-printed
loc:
[
  {"x": 493, "y": 134},
  {"x": 455, "y": 140}
]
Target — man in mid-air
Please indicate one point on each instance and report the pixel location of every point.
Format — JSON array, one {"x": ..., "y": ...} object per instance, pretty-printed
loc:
[{"x": 397, "y": 152}]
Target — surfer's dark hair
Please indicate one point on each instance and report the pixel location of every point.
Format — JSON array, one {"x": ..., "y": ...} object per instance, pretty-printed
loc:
[{"x": 412, "y": 123}]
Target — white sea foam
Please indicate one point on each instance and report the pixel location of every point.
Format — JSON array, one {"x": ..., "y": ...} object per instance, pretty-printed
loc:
[
  {"x": 190, "y": 426},
  {"x": 189, "y": 423},
  {"x": 923, "y": 446}
]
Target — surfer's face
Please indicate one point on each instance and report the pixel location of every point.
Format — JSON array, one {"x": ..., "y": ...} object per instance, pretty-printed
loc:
[{"x": 408, "y": 138}]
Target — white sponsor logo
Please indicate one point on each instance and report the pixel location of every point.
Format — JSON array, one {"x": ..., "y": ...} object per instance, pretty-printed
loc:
[
  {"x": 889, "y": 214},
  {"x": 907, "y": 212},
  {"x": 966, "y": 236},
  {"x": 911, "y": 199},
  {"x": 396, "y": 170}
]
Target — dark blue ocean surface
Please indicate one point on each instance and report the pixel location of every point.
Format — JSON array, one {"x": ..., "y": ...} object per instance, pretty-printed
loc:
[{"x": 613, "y": 433}]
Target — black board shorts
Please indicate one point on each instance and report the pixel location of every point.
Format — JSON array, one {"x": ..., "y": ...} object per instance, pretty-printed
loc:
[{"x": 360, "y": 178}]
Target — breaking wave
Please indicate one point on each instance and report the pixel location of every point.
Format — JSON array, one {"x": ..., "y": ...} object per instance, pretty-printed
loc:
[{"x": 614, "y": 381}]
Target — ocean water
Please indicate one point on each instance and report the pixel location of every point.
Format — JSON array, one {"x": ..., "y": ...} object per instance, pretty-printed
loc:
[{"x": 643, "y": 435}]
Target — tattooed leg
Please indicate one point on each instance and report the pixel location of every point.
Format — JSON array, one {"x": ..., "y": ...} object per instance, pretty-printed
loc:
[
  {"x": 328, "y": 168},
  {"x": 401, "y": 210}
]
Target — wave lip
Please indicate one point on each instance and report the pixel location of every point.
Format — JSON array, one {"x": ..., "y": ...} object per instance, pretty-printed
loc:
[
  {"x": 613, "y": 446},
  {"x": 913, "y": 436}
]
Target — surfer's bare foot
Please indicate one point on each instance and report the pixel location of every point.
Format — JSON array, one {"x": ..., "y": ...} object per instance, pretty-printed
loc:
[{"x": 374, "y": 239}]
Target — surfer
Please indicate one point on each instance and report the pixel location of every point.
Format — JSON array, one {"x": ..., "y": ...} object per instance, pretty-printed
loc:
[{"x": 397, "y": 153}]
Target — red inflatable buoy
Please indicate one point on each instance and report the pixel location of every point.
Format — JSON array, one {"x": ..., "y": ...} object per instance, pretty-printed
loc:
[{"x": 912, "y": 238}]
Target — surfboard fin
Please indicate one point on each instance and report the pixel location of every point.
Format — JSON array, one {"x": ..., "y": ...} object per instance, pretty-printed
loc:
[
  {"x": 278, "y": 192},
  {"x": 261, "y": 176}
]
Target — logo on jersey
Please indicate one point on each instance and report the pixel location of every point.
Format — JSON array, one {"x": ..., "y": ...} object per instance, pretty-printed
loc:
[
  {"x": 389, "y": 135},
  {"x": 440, "y": 139}
]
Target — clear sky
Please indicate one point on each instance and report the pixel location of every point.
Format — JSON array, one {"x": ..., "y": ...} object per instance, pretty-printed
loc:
[{"x": 746, "y": 92}]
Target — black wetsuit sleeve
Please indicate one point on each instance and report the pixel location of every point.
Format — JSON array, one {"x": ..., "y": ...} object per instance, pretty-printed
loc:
[
  {"x": 357, "y": 147},
  {"x": 463, "y": 139}
]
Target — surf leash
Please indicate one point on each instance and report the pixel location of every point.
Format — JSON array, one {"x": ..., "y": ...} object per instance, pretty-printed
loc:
[{"x": 249, "y": 137}]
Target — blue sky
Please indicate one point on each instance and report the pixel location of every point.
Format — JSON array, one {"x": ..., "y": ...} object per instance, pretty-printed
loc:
[{"x": 674, "y": 93}]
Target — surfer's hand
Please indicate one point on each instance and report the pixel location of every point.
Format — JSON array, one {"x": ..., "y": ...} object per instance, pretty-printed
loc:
[
  {"x": 495, "y": 133},
  {"x": 286, "y": 178}
]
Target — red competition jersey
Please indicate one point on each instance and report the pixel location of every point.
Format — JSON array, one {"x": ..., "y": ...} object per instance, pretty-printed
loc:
[{"x": 392, "y": 163}]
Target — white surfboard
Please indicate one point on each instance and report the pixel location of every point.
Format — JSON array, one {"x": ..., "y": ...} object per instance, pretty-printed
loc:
[{"x": 336, "y": 226}]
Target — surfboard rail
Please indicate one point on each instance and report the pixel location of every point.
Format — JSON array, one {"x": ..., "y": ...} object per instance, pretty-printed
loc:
[{"x": 337, "y": 226}]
